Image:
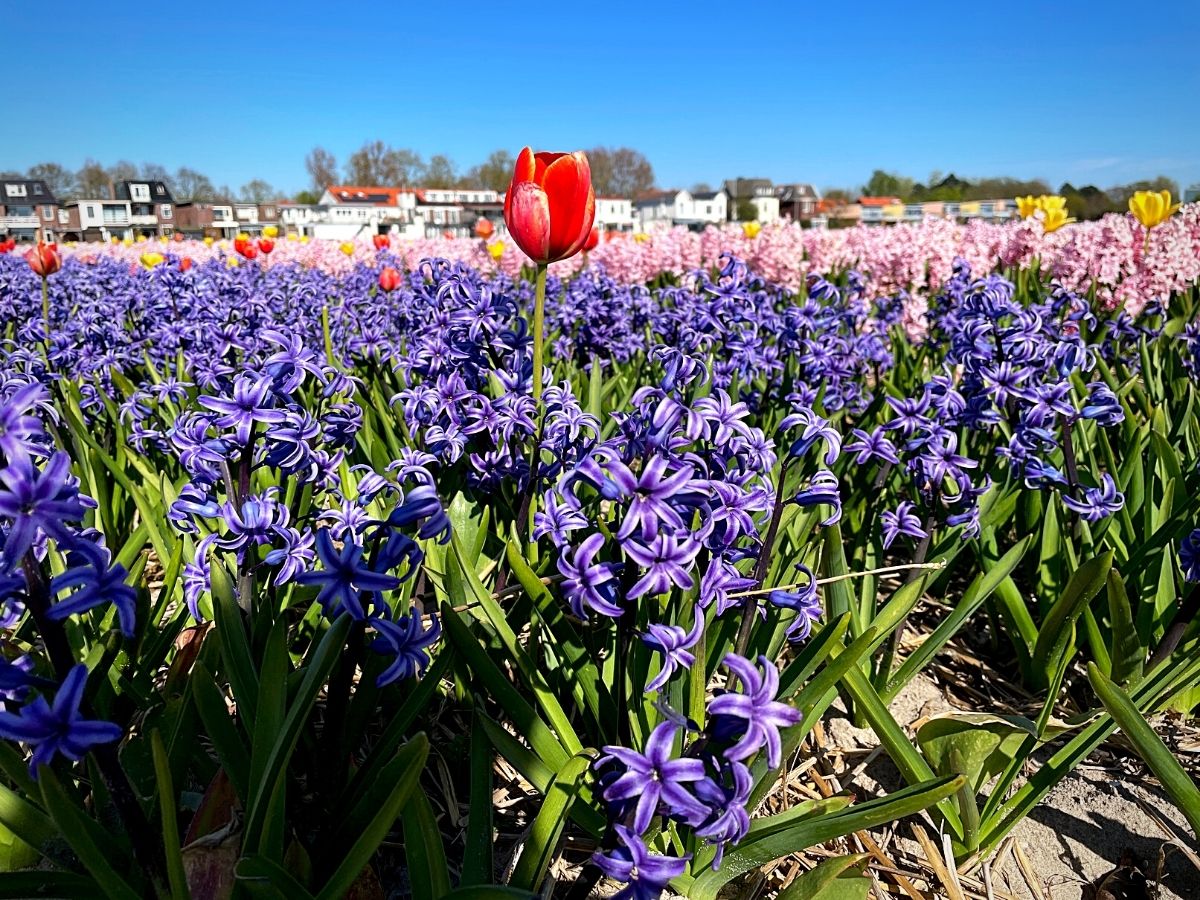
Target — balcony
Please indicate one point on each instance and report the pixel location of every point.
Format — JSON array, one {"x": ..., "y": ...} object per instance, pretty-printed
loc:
[
  {"x": 113, "y": 221},
  {"x": 143, "y": 220},
  {"x": 20, "y": 222}
]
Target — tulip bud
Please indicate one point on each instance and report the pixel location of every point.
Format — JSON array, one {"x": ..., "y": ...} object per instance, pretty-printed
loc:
[
  {"x": 382, "y": 241},
  {"x": 185, "y": 264},
  {"x": 550, "y": 204},
  {"x": 266, "y": 246},
  {"x": 484, "y": 228},
  {"x": 751, "y": 229},
  {"x": 389, "y": 279},
  {"x": 208, "y": 242},
  {"x": 44, "y": 259},
  {"x": 151, "y": 259}
]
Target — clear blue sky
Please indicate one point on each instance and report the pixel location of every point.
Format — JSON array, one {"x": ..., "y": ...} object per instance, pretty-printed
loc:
[{"x": 1101, "y": 91}]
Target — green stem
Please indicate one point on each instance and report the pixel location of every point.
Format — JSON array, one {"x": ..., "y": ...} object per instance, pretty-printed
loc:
[
  {"x": 539, "y": 333},
  {"x": 46, "y": 315}
]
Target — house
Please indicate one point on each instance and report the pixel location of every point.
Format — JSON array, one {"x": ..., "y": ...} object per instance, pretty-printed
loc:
[
  {"x": 95, "y": 220},
  {"x": 798, "y": 202},
  {"x": 614, "y": 214},
  {"x": 454, "y": 211},
  {"x": 295, "y": 218},
  {"x": 351, "y": 211},
  {"x": 662, "y": 209},
  {"x": 28, "y": 211},
  {"x": 756, "y": 192},
  {"x": 151, "y": 207}
]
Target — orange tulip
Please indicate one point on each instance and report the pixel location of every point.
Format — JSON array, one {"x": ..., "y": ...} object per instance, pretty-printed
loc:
[
  {"x": 389, "y": 279},
  {"x": 484, "y": 228},
  {"x": 550, "y": 204},
  {"x": 185, "y": 264},
  {"x": 44, "y": 259}
]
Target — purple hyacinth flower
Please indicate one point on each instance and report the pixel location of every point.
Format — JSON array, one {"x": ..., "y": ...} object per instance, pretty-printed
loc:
[
  {"x": 57, "y": 729},
  {"x": 675, "y": 645},
  {"x": 822, "y": 490},
  {"x": 727, "y": 797},
  {"x": 407, "y": 641},
  {"x": 874, "y": 444},
  {"x": 654, "y": 777},
  {"x": 901, "y": 521},
  {"x": 95, "y": 581},
  {"x": 753, "y": 717},
  {"x": 556, "y": 520},
  {"x": 295, "y": 556},
  {"x": 812, "y": 429},
  {"x": 1103, "y": 406},
  {"x": 649, "y": 508},
  {"x": 1098, "y": 502},
  {"x": 803, "y": 600},
  {"x": 345, "y": 578},
  {"x": 666, "y": 560},
  {"x": 252, "y": 402},
  {"x": 36, "y": 502},
  {"x": 587, "y": 584},
  {"x": 1189, "y": 556},
  {"x": 646, "y": 874},
  {"x": 422, "y": 502},
  {"x": 18, "y": 429}
]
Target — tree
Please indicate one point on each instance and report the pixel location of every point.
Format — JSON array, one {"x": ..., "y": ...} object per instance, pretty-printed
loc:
[
  {"x": 494, "y": 173},
  {"x": 156, "y": 172},
  {"x": 701, "y": 187},
  {"x": 888, "y": 184},
  {"x": 309, "y": 198},
  {"x": 322, "y": 168},
  {"x": 190, "y": 185},
  {"x": 839, "y": 194},
  {"x": 746, "y": 211},
  {"x": 122, "y": 170},
  {"x": 59, "y": 180},
  {"x": 92, "y": 181},
  {"x": 440, "y": 172},
  {"x": 620, "y": 171},
  {"x": 376, "y": 164},
  {"x": 1121, "y": 193},
  {"x": 257, "y": 191}
]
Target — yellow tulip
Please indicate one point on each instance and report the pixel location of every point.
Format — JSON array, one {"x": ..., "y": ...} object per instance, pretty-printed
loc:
[
  {"x": 162, "y": 238},
  {"x": 751, "y": 229},
  {"x": 1054, "y": 219},
  {"x": 208, "y": 241},
  {"x": 496, "y": 250},
  {"x": 348, "y": 248},
  {"x": 1152, "y": 208},
  {"x": 1027, "y": 206},
  {"x": 304, "y": 238},
  {"x": 114, "y": 240},
  {"x": 641, "y": 237},
  {"x": 291, "y": 236},
  {"x": 128, "y": 242},
  {"x": 231, "y": 261},
  {"x": 150, "y": 260},
  {"x": 1047, "y": 202},
  {"x": 243, "y": 236},
  {"x": 271, "y": 231}
]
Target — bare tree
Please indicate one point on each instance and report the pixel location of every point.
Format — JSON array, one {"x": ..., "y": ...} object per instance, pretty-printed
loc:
[
  {"x": 620, "y": 171},
  {"x": 494, "y": 173},
  {"x": 59, "y": 179},
  {"x": 375, "y": 164},
  {"x": 156, "y": 172},
  {"x": 322, "y": 168},
  {"x": 257, "y": 191},
  {"x": 92, "y": 181},
  {"x": 440, "y": 172},
  {"x": 123, "y": 170},
  {"x": 190, "y": 185}
]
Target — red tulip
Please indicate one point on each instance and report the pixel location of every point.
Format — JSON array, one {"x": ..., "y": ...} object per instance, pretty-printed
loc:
[
  {"x": 382, "y": 241},
  {"x": 179, "y": 237},
  {"x": 389, "y": 279},
  {"x": 185, "y": 264},
  {"x": 593, "y": 239},
  {"x": 245, "y": 247},
  {"x": 266, "y": 245},
  {"x": 44, "y": 259},
  {"x": 484, "y": 228},
  {"x": 448, "y": 234},
  {"x": 7, "y": 245},
  {"x": 550, "y": 204}
]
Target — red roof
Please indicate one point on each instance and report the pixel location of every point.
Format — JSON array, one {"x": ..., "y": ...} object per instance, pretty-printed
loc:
[
  {"x": 376, "y": 196},
  {"x": 879, "y": 201}
]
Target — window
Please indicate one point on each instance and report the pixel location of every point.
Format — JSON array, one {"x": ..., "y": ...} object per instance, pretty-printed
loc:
[
  {"x": 48, "y": 213},
  {"x": 14, "y": 190},
  {"x": 37, "y": 188},
  {"x": 159, "y": 189},
  {"x": 166, "y": 210},
  {"x": 91, "y": 211}
]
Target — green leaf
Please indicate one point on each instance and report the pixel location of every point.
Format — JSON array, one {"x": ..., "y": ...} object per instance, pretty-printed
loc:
[
  {"x": 25, "y": 820},
  {"x": 1150, "y": 747},
  {"x": 355, "y": 849},
  {"x": 478, "y": 867},
  {"x": 58, "y": 885},
  {"x": 266, "y": 878},
  {"x": 170, "y": 824},
  {"x": 222, "y": 732},
  {"x": 833, "y": 879},
  {"x": 1125, "y": 650},
  {"x": 423, "y": 851},
  {"x": 753, "y": 853},
  {"x": 548, "y": 826},
  {"x": 984, "y": 743},
  {"x": 1057, "y": 631},
  {"x": 91, "y": 843},
  {"x": 230, "y": 633}
]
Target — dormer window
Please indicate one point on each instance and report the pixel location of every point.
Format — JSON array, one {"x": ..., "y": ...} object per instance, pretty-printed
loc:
[
  {"x": 159, "y": 189},
  {"x": 37, "y": 188}
]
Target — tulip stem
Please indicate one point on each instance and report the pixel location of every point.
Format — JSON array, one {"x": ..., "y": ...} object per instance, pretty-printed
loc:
[
  {"x": 539, "y": 336},
  {"x": 46, "y": 314}
]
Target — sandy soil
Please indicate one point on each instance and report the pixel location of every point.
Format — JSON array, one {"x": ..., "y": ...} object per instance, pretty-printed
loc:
[{"x": 1091, "y": 822}]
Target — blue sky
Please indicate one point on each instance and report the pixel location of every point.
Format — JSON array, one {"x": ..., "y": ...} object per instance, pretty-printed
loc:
[{"x": 1100, "y": 92}]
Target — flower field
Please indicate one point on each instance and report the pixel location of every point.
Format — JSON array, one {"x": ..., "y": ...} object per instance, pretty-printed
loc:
[{"x": 299, "y": 540}]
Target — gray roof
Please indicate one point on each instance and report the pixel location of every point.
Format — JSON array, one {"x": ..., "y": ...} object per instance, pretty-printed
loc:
[
  {"x": 36, "y": 190},
  {"x": 159, "y": 192},
  {"x": 789, "y": 193}
]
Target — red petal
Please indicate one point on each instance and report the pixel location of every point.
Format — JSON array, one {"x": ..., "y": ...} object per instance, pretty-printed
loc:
[
  {"x": 568, "y": 184},
  {"x": 529, "y": 220},
  {"x": 524, "y": 170}
]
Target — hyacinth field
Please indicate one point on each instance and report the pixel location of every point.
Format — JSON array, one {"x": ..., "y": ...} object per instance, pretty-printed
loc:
[{"x": 312, "y": 554}]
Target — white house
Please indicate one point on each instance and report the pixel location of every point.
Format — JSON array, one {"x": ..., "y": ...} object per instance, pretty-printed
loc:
[
  {"x": 614, "y": 214},
  {"x": 701, "y": 209},
  {"x": 350, "y": 211}
]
